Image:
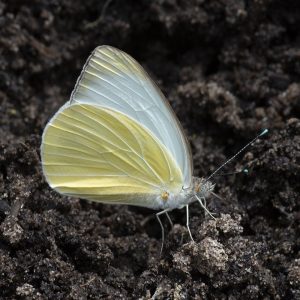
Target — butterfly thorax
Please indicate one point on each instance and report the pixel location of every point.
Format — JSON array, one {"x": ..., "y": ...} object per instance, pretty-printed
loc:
[{"x": 171, "y": 200}]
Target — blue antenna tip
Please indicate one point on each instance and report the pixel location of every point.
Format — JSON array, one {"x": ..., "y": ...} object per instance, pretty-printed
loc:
[{"x": 264, "y": 132}]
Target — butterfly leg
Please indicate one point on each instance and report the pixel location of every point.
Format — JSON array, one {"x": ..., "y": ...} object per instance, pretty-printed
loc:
[
  {"x": 204, "y": 206},
  {"x": 170, "y": 221},
  {"x": 162, "y": 228},
  {"x": 188, "y": 221},
  {"x": 217, "y": 196}
]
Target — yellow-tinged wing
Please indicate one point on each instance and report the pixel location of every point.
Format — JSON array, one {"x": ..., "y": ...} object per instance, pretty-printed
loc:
[
  {"x": 113, "y": 79},
  {"x": 103, "y": 155}
]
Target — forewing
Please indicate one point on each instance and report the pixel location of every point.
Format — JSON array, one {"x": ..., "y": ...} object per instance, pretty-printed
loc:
[
  {"x": 113, "y": 79},
  {"x": 103, "y": 155}
]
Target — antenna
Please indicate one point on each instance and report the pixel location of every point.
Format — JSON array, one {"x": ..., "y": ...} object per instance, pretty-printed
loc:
[
  {"x": 246, "y": 171},
  {"x": 265, "y": 131}
]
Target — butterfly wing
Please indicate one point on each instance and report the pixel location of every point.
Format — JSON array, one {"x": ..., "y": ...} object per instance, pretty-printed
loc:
[
  {"x": 103, "y": 155},
  {"x": 113, "y": 79}
]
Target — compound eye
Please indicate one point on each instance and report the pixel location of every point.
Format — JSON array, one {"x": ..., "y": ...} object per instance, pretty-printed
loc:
[{"x": 197, "y": 187}]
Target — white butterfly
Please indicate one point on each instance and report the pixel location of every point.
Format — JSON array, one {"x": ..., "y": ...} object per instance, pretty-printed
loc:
[{"x": 118, "y": 141}]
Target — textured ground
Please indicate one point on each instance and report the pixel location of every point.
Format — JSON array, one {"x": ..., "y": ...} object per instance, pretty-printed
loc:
[{"x": 229, "y": 69}]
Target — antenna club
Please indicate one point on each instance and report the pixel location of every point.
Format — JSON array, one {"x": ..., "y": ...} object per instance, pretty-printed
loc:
[{"x": 265, "y": 131}]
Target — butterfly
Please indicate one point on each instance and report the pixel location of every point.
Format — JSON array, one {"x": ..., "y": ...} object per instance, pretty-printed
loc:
[{"x": 118, "y": 141}]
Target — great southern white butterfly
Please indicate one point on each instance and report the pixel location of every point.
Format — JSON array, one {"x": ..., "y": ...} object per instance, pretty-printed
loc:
[{"x": 117, "y": 141}]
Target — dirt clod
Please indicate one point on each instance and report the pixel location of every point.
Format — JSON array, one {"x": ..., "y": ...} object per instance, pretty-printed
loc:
[{"x": 210, "y": 257}]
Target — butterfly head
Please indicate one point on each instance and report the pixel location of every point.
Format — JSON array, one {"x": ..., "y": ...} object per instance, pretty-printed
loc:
[{"x": 202, "y": 187}]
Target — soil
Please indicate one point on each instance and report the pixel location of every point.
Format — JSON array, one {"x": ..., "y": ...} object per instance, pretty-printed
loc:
[{"x": 229, "y": 68}]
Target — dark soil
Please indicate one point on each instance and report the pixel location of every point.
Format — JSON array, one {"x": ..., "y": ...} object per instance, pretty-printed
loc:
[{"x": 229, "y": 68}]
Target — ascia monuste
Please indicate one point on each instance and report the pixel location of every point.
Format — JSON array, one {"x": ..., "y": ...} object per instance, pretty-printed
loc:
[{"x": 117, "y": 140}]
